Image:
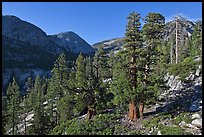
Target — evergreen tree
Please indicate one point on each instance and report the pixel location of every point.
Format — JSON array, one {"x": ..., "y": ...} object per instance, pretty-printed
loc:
[
  {"x": 110, "y": 64},
  {"x": 80, "y": 85},
  {"x": 59, "y": 77},
  {"x": 65, "y": 108},
  {"x": 39, "y": 123},
  {"x": 29, "y": 85},
  {"x": 4, "y": 114},
  {"x": 120, "y": 86},
  {"x": 102, "y": 64},
  {"x": 80, "y": 72},
  {"x": 100, "y": 69},
  {"x": 133, "y": 44},
  {"x": 57, "y": 87},
  {"x": 196, "y": 40},
  {"x": 25, "y": 111},
  {"x": 13, "y": 107},
  {"x": 30, "y": 95},
  {"x": 90, "y": 88},
  {"x": 72, "y": 80},
  {"x": 152, "y": 34}
]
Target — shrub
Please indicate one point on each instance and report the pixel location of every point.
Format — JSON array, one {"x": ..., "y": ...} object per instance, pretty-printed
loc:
[
  {"x": 102, "y": 124},
  {"x": 181, "y": 117},
  {"x": 183, "y": 69},
  {"x": 175, "y": 130}
]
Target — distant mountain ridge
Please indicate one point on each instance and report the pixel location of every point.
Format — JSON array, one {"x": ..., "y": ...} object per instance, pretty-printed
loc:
[
  {"x": 15, "y": 28},
  {"x": 72, "y": 42},
  {"x": 27, "y": 47},
  {"x": 185, "y": 27}
]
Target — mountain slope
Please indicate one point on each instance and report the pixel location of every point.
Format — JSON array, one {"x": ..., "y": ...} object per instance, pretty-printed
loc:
[
  {"x": 185, "y": 31},
  {"x": 185, "y": 28},
  {"x": 113, "y": 44},
  {"x": 18, "y": 29},
  {"x": 71, "y": 41}
]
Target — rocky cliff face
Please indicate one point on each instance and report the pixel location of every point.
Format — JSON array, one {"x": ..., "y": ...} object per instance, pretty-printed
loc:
[
  {"x": 18, "y": 29},
  {"x": 72, "y": 42},
  {"x": 185, "y": 28},
  {"x": 27, "y": 47},
  {"x": 110, "y": 45}
]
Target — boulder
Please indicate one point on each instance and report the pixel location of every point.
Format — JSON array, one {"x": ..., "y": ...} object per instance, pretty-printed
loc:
[
  {"x": 194, "y": 116},
  {"x": 197, "y": 72},
  {"x": 159, "y": 133},
  {"x": 182, "y": 123},
  {"x": 197, "y": 122},
  {"x": 179, "y": 85},
  {"x": 170, "y": 81},
  {"x": 191, "y": 77}
]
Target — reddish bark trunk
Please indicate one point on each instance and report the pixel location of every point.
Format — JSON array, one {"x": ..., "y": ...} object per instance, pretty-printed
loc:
[
  {"x": 141, "y": 105},
  {"x": 133, "y": 111}
]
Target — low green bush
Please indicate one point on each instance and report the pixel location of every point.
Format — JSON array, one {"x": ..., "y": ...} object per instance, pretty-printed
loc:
[
  {"x": 174, "y": 130},
  {"x": 183, "y": 69},
  {"x": 181, "y": 117}
]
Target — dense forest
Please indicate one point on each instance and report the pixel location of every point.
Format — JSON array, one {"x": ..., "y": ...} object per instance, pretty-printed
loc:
[{"x": 101, "y": 95}]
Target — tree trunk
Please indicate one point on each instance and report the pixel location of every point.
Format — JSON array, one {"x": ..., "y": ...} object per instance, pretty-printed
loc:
[
  {"x": 176, "y": 41},
  {"x": 91, "y": 110},
  {"x": 133, "y": 110},
  {"x": 171, "y": 55},
  {"x": 141, "y": 105}
]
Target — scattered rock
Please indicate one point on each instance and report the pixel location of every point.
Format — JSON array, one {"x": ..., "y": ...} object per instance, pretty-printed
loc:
[
  {"x": 182, "y": 123},
  {"x": 197, "y": 122},
  {"x": 194, "y": 116},
  {"x": 191, "y": 126},
  {"x": 179, "y": 86},
  {"x": 159, "y": 133},
  {"x": 190, "y": 77},
  {"x": 197, "y": 72}
]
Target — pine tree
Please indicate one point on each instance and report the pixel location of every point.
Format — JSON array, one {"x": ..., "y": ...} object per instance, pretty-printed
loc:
[
  {"x": 72, "y": 80},
  {"x": 90, "y": 88},
  {"x": 196, "y": 40},
  {"x": 110, "y": 64},
  {"x": 133, "y": 44},
  {"x": 120, "y": 86},
  {"x": 39, "y": 116},
  {"x": 4, "y": 114},
  {"x": 102, "y": 64},
  {"x": 80, "y": 72},
  {"x": 77, "y": 82},
  {"x": 65, "y": 108},
  {"x": 100, "y": 69},
  {"x": 25, "y": 110},
  {"x": 29, "y": 85},
  {"x": 152, "y": 34},
  {"x": 13, "y": 107},
  {"x": 59, "y": 77},
  {"x": 57, "y": 87}
]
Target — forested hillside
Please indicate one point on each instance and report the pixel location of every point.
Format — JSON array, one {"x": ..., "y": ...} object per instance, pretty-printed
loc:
[{"x": 150, "y": 86}]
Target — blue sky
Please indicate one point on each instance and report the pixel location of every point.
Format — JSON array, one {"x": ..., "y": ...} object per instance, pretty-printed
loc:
[{"x": 94, "y": 21}]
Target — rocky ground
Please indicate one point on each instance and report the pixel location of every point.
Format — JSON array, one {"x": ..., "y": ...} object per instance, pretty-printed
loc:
[{"x": 179, "y": 110}]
